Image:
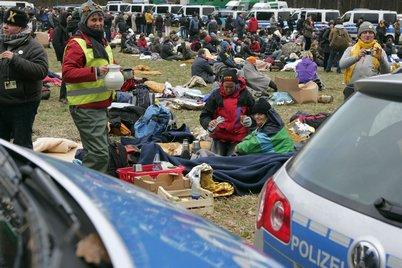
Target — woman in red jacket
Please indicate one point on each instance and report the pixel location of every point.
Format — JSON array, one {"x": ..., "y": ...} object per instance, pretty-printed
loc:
[
  {"x": 142, "y": 43},
  {"x": 252, "y": 25}
]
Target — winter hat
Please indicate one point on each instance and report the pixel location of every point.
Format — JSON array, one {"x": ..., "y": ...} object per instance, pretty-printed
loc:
[
  {"x": 208, "y": 39},
  {"x": 252, "y": 59},
  {"x": 229, "y": 75},
  {"x": 366, "y": 27},
  {"x": 224, "y": 45},
  {"x": 89, "y": 8},
  {"x": 16, "y": 17},
  {"x": 261, "y": 107}
]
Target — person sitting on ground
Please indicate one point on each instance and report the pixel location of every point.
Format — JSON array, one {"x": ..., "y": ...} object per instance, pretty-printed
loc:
[
  {"x": 142, "y": 44},
  {"x": 270, "y": 135},
  {"x": 156, "y": 46},
  {"x": 246, "y": 50},
  {"x": 167, "y": 52},
  {"x": 202, "y": 68},
  {"x": 185, "y": 51},
  {"x": 306, "y": 70},
  {"x": 273, "y": 47},
  {"x": 225, "y": 114},
  {"x": 225, "y": 60},
  {"x": 256, "y": 80},
  {"x": 364, "y": 59},
  {"x": 208, "y": 45},
  {"x": 131, "y": 45},
  {"x": 255, "y": 45}
]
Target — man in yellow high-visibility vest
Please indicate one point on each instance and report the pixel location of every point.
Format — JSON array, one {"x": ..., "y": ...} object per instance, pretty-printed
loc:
[{"x": 84, "y": 67}]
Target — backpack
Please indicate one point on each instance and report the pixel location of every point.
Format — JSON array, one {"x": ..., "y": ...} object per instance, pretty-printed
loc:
[
  {"x": 126, "y": 115},
  {"x": 157, "y": 119},
  {"x": 117, "y": 157},
  {"x": 340, "y": 40},
  {"x": 141, "y": 96}
]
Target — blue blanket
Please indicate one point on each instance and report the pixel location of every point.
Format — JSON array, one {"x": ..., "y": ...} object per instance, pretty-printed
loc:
[{"x": 246, "y": 173}]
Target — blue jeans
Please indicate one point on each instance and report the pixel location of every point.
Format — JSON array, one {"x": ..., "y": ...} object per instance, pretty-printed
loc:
[
  {"x": 16, "y": 122},
  {"x": 334, "y": 57}
]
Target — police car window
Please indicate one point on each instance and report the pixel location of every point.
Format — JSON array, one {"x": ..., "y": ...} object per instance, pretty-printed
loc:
[
  {"x": 284, "y": 15},
  {"x": 175, "y": 10},
  {"x": 208, "y": 10},
  {"x": 148, "y": 7},
  {"x": 316, "y": 16},
  {"x": 191, "y": 10},
  {"x": 390, "y": 18},
  {"x": 331, "y": 16},
  {"x": 356, "y": 156},
  {"x": 370, "y": 17},
  {"x": 346, "y": 17},
  {"x": 113, "y": 8},
  {"x": 124, "y": 8},
  {"x": 135, "y": 8},
  {"x": 162, "y": 10},
  {"x": 264, "y": 15}
]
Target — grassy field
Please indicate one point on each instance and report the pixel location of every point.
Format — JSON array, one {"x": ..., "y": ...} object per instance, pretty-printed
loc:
[{"x": 236, "y": 214}]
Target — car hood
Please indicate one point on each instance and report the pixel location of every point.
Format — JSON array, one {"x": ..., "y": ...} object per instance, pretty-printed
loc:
[{"x": 154, "y": 233}]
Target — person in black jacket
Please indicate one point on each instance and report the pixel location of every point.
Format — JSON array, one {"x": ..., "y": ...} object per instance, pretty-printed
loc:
[
  {"x": 23, "y": 65},
  {"x": 202, "y": 68},
  {"x": 59, "y": 41}
]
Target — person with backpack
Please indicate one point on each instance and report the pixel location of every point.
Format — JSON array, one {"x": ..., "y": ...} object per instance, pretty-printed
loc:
[
  {"x": 84, "y": 69},
  {"x": 364, "y": 59},
  {"x": 226, "y": 113},
  {"x": 324, "y": 43},
  {"x": 308, "y": 29},
  {"x": 339, "y": 41},
  {"x": 240, "y": 25},
  {"x": 183, "y": 22}
]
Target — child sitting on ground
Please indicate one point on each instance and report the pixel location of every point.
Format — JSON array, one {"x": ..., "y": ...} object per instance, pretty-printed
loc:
[{"x": 306, "y": 70}]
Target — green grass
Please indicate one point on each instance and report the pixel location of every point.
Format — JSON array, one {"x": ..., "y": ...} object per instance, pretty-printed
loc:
[{"x": 236, "y": 214}]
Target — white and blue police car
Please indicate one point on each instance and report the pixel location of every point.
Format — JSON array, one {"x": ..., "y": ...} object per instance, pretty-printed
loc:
[{"x": 338, "y": 202}]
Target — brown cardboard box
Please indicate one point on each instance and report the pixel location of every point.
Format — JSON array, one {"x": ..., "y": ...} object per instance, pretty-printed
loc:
[
  {"x": 169, "y": 181},
  {"x": 42, "y": 38},
  {"x": 301, "y": 93}
]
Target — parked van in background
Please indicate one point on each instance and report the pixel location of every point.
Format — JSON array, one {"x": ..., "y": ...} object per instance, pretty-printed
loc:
[
  {"x": 202, "y": 11},
  {"x": 351, "y": 17},
  {"x": 117, "y": 6},
  {"x": 165, "y": 8},
  {"x": 273, "y": 5},
  {"x": 321, "y": 17},
  {"x": 19, "y": 4},
  {"x": 140, "y": 8},
  {"x": 264, "y": 15}
]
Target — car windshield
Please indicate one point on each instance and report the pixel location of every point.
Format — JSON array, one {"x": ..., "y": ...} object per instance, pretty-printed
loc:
[{"x": 356, "y": 156}]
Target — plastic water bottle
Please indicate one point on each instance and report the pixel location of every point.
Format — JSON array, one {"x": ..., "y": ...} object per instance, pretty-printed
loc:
[
  {"x": 156, "y": 163},
  {"x": 185, "y": 150},
  {"x": 195, "y": 186}
]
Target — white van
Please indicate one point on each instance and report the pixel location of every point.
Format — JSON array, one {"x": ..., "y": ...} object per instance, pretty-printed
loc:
[
  {"x": 140, "y": 8},
  {"x": 165, "y": 8},
  {"x": 19, "y": 4},
  {"x": 202, "y": 11},
  {"x": 351, "y": 17},
  {"x": 276, "y": 5},
  {"x": 320, "y": 17},
  {"x": 117, "y": 6},
  {"x": 264, "y": 15}
]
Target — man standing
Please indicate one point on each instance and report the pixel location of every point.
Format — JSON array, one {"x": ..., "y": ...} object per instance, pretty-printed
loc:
[
  {"x": 149, "y": 19},
  {"x": 240, "y": 24},
  {"x": 397, "y": 28},
  {"x": 339, "y": 41},
  {"x": 23, "y": 65},
  {"x": 84, "y": 68}
]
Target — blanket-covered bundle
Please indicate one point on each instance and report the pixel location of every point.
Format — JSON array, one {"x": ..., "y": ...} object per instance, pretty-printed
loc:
[
  {"x": 53, "y": 145},
  {"x": 255, "y": 79}
]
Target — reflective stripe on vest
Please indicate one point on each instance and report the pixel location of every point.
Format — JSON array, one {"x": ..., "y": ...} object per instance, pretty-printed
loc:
[{"x": 94, "y": 91}]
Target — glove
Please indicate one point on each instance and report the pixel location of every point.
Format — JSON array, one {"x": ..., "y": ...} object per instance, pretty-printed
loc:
[{"x": 246, "y": 122}]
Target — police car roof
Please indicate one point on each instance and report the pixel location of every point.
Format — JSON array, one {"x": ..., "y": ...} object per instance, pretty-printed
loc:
[{"x": 388, "y": 86}]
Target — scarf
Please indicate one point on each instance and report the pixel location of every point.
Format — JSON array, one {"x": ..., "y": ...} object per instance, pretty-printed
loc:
[
  {"x": 355, "y": 53},
  {"x": 14, "y": 40},
  {"x": 96, "y": 38}
]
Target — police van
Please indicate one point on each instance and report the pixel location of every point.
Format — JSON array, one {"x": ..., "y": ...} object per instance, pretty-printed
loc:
[
  {"x": 320, "y": 17},
  {"x": 19, "y": 4},
  {"x": 351, "y": 17},
  {"x": 166, "y": 8},
  {"x": 140, "y": 8},
  {"x": 202, "y": 11},
  {"x": 264, "y": 15},
  {"x": 117, "y": 7}
]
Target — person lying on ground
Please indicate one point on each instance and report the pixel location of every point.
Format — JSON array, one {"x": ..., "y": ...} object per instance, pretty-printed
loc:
[{"x": 306, "y": 70}]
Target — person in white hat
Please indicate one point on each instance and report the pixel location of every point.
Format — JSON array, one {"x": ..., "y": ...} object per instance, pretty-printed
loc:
[{"x": 364, "y": 59}]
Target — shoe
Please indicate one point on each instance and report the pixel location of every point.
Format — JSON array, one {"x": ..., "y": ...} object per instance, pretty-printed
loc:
[{"x": 328, "y": 71}]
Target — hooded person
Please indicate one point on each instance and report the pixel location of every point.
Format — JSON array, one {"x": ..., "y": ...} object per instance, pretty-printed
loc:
[
  {"x": 23, "y": 66},
  {"x": 255, "y": 79},
  {"x": 364, "y": 59},
  {"x": 225, "y": 114},
  {"x": 269, "y": 136},
  {"x": 86, "y": 58}
]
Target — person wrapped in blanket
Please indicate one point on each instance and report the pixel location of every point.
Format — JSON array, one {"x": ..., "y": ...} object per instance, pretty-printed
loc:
[
  {"x": 225, "y": 114},
  {"x": 270, "y": 135}
]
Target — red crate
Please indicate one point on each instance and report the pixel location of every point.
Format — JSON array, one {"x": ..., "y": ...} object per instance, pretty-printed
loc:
[{"x": 128, "y": 174}]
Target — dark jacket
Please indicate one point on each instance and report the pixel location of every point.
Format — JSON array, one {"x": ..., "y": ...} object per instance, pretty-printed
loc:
[
  {"x": 167, "y": 50},
  {"x": 230, "y": 107},
  {"x": 28, "y": 67},
  {"x": 201, "y": 68},
  {"x": 60, "y": 37}
]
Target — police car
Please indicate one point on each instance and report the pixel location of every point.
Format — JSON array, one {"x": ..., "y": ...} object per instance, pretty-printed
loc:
[
  {"x": 338, "y": 202},
  {"x": 56, "y": 214}
]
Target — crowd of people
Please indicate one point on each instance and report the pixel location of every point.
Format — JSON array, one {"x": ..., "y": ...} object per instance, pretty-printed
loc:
[{"x": 239, "y": 120}]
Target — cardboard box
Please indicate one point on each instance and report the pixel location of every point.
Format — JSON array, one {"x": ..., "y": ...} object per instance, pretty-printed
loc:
[
  {"x": 42, "y": 38},
  {"x": 169, "y": 181},
  {"x": 301, "y": 93}
]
